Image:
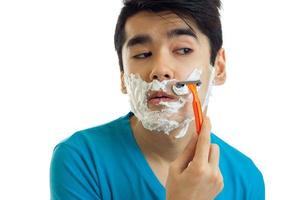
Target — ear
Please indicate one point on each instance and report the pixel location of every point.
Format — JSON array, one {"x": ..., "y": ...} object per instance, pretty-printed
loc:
[
  {"x": 123, "y": 87},
  {"x": 220, "y": 66}
]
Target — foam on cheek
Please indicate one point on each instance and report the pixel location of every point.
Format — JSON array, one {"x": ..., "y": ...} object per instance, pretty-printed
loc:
[
  {"x": 194, "y": 76},
  {"x": 159, "y": 121},
  {"x": 137, "y": 90},
  {"x": 210, "y": 86}
]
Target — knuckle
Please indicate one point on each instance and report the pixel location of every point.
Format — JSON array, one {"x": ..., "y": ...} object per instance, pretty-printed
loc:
[
  {"x": 198, "y": 170},
  {"x": 216, "y": 147},
  {"x": 220, "y": 181},
  {"x": 201, "y": 170},
  {"x": 220, "y": 185},
  {"x": 214, "y": 177}
]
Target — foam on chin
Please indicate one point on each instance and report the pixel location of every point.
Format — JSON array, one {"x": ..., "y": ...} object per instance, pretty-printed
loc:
[{"x": 158, "y": 121}]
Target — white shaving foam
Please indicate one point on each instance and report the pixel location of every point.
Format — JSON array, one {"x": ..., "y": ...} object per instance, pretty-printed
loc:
[
  {"x": 184, "y": 90},
  {"x": 194, "y": 76},
  {"x": 210, "y": 86},
  {"x": 158, "y": 121}
]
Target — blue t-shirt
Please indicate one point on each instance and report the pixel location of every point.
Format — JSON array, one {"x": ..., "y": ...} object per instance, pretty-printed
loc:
[{"x": 105, "y": 162}]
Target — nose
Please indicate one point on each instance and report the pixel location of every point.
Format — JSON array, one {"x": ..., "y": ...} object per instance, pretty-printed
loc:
[{"x": 161, "y": 69}]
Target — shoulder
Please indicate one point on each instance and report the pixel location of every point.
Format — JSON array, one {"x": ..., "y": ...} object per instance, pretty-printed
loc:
[
  {"x": 79, "y": 159},
  {"x": 239, "y": 166},
  {"x": 98, "y": 135},
  {"x": 228, "y": 150},
  {"x": 234, "y": 157},
  {"x": 97, "y": 142},
  {"x": 233, "y": 154},
  {"x": 86, "y": 146}
]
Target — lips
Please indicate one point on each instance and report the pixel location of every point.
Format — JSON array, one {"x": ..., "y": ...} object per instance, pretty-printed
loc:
[{"x": 160, "y": 96}]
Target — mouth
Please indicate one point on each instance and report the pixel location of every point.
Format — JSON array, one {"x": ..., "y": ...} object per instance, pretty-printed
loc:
[{"x": 155, "y": 98}]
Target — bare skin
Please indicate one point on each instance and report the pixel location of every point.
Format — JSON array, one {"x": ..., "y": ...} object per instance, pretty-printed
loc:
[
  {"x": 187, "y": 167},
  {"x": 195, "y": 174}
]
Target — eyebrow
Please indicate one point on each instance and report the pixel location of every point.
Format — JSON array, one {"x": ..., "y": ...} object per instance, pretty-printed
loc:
[
  {"x": 139, "y": 39},
  {"x": 181, "y": 31},
  {"x": 144, "y": 39}
]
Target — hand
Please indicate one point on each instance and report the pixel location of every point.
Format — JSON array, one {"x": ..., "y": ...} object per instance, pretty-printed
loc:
[{"x": 195, "y": 174}]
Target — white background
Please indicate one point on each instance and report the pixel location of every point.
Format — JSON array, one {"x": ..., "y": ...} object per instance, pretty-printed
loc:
[{"x": 59, "y": 73}]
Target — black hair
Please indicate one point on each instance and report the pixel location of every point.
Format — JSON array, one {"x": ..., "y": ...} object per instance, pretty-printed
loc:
[{"x": 205, "y": 13}]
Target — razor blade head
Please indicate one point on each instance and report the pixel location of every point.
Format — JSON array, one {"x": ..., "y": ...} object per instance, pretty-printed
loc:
[
  {"x": 180, "y": 88},
  {"x": 183, "y": 83}
]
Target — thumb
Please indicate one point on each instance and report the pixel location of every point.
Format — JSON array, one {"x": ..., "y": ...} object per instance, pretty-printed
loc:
[{"x": 187, "y": 155}]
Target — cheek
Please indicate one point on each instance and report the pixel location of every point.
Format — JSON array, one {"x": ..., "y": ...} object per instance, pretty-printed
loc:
[
  {"x": 129, "y": 66},
  {"x": 202, "y": 93},
  {"x": 183, "y": 73},
  {"x": 192, "y": 71},
  {"x": 138, "y": 69},
  {"x": 203, "y": 89},
  {"x": 188, "y": 108},
  {"x": 125, "y": 62},
  {"x": 198, "y": 59}
]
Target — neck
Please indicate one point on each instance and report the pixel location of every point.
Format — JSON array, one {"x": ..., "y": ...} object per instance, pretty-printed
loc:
[{"x": 159, "y": 147}]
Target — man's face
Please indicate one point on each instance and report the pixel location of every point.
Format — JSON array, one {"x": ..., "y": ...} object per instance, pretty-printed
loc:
[{"x": 161, "y": 46}]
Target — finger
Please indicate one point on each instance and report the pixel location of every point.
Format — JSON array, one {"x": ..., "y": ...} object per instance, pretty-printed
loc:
[
  {"x": 187, "y": 155},
  {"x": 203, "y": 143},
  {"x": 214, "y": 155}
]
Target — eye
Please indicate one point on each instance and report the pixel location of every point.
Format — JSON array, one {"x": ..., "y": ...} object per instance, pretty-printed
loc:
[
  {"x": 184, "y": 51},
  {"x": 143, "y": 55}
]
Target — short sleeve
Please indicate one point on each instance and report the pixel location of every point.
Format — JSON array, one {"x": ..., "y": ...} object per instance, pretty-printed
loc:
[
  {"x": 70, "y": 176},
  {"x": 256, "y": 185}
]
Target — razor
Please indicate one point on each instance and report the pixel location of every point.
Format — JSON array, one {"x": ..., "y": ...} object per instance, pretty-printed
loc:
[{"x": 180, "y": 89}]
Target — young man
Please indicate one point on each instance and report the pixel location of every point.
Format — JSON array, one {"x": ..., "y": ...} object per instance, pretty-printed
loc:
[{"x": 154, "y": 151}]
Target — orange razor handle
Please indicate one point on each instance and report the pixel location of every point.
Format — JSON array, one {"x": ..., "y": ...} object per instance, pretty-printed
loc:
[{"x": 196, "y": 107}]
